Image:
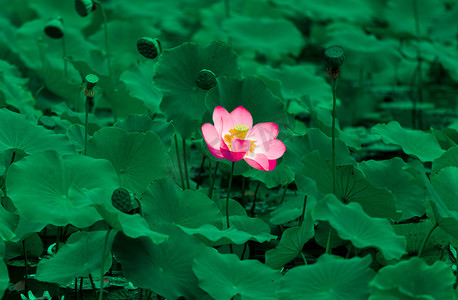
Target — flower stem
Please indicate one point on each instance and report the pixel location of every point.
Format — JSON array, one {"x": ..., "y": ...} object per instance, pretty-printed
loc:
[
  {"x": 179, "y": 161},
  {"x": 185, "y": 161},
  {"x": 301, "y": 220},
  {"x": 254, "y": 200},
  {"x": 64, "y": 56},
  {"x": 105, "y": 29},
  {"x": 227, "y": 200},
  {"x": 423, "y": 243},
  {"x": 285, "y": 188},
  {"x": 103, "y": 263},
  {"x": 333, "y": 137},
  {"x": 212, "y": 179},
  {"x": 86, "y": 124}
]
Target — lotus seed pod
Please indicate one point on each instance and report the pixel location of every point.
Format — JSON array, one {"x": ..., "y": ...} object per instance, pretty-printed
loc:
[
  {"x": 47, "y": 122},
  {"x": 91, "y": 81},
  {"x": 84, "y": 7},
  {"x": 122, "y": 200},
  {"x": 206, "y": 79},
  {"x": 334, "y": 56},
  {"x": 55, "y": 28},
  {"x": 148, "y": 47}
]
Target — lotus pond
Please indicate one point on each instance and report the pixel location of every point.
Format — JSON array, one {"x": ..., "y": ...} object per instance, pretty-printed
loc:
[{"x": 232, "y": 149}]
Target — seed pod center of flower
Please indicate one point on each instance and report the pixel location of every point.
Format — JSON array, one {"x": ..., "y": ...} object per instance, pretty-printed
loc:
[{"x": 240, "y": 131}]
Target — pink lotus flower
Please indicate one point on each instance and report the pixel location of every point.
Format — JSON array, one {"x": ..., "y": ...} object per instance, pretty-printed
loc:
[{"x": 234, "y": 137}]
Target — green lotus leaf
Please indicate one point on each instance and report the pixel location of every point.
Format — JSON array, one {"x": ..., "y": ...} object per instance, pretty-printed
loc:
[
  {"x": 24, "y": 228},
  {"x": 175, "y": 75},
  {"x": 138, "y": 158},
  {"x": 414, "y": 279},
  {"x": 143, "y": 123},
  {"x": 8, "y": 224},
  {"x": 273, "y": 38},
  {"x": 139, "y": 82},
  {"x": 352, "y": 223},
  {"x": 4, "y": 277},
  {"x": 166, "y": 269},
  {"x": 351, "y": 186},
  {"x": 405, "y": 183},
  {"x": 76, "y": 134},
  {"x": 292, "y": 241},
  {"x": 122, "y": 39},
  {"x": 17, "y": 132},
  {"x": 187, "y": 208},
  {"x": 133, "y": 226},
  {"x": 289, "y": 210},
  {"x": 281, "y": 175},
  {"x": 80, "y": 256},
  {"x": 242, "y": 230},
  {"x": 420, "y": 144},
  {"x": 328, "y": 10},
  {"x": 444, "y": 182},
  {"x": 315, "y": 139},
  {"x": 329, "y": 278},
  {"x": 442, "y": 215},
  {"x": 14, "y": 91},
  {"x": 448, "y": 159},
  {"x": 401, "y": 18},
  {"x": 224, "y": 276},
  {"x": 447, "y": 137},
  {"x": 251, "y": 93},
  {"x": 51, "y": 189}
]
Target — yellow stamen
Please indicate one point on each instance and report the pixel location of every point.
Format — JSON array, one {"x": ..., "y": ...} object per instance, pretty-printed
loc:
[{"x": 240, "y": 131}]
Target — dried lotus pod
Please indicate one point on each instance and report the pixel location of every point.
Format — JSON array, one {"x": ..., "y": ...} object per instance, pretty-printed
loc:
[
  {"x": 122, "y": 200},
  {"x": 84, "y": 7},
  {"x": 335, "y": 56},
  {"x": 55, "y": 28},
  {"x": 206, "y": 79},
  {"x": 149, "y": 47}
]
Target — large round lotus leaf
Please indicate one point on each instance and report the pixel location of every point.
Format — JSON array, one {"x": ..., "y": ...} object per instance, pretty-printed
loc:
[
  {"x": 328, "y": 10},
  {"x": 175, "y": 75},
  {"x": 224, "y": 276},
  {"x": 445, "y": 217},
  {"x": 289, "y": 210},
  {"x": 133, "y": 226},
  {"x": 143, "y": 123},
  {"x": 449, "y": 158},
  {"x": 17, "y": 132},
  {"x": 420, "y": 144},
  {"x": 139, "y": 82},
  {"x": 330, "y": 278},
  {"x": 251, "y": 93},
  {"x": 414, "y": 279},
  {"x": 138, "y": 158},
  {"x": 352, "y": 223},
  {"x": 242, "y": 230},
  {"x": 122, "y": 39},
  {"x": 166, "y": 269},
  {"x": 8, "y": 224},
  {"x": 315, "y": 139},
  {"x": 281, "y": 175},
  {"x": 445, "y": 184},
  {"x": 403, "y": 182},
  {"x": 272, "y": 38},
  {"x": 400, "y": 16},
  {"x": 81, "y": 255},
  {"x": 13, "y": 90},
  {"x": 4, "y": 278},
  {"x": 292, "y": 241},
  {"x": 165, "y": 202},
  {"x": 51, "y": 189},
  {"x": 301, "y": 80},
  {"x": 351, "y": 186}
]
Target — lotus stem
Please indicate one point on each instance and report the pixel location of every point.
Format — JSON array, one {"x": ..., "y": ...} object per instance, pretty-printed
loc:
[
  {"x": 179, "y": 162},
  {"x": 227, "y": 201},
  {"x": 185, "y": 161},
  {"x": 423, "y": 243},
  {"x": 103, "y": 264}
]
